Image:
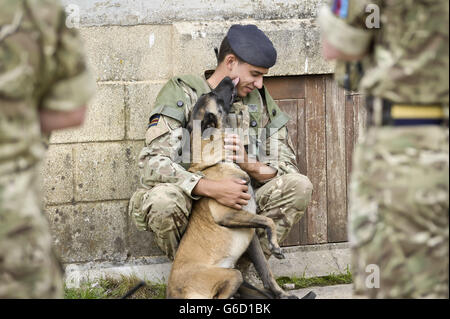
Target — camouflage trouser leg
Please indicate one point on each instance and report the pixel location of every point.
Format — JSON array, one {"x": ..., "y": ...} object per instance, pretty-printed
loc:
[
  {"x": 28, "y": 266},
  {"x": 284, "y": 199},
  {"x": 398, "y": 223},
  {"x": 164, "y": 210}
]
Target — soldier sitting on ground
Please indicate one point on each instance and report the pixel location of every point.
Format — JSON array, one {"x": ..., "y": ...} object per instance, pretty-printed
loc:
[{"x": 164, "y": 200}]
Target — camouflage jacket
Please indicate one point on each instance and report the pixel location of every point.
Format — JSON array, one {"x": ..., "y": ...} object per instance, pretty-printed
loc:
[
  {"x": 163, "y": 159},
  {"x": 406, "y": 43},
  {"x": 41, "y": 67}
]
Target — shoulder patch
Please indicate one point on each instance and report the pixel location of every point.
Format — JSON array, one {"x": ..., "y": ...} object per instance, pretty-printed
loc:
[
  {"x": 156, "y": 128},
  {"x": 153, "y": 121},
  {"x": 340, "y": 8}
]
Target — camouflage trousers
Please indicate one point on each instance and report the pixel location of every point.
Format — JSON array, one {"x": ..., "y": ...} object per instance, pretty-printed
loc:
[
  {"x": 28, "y": 266},
  {"x": 165, "y": 209},
  {"x": 399, "y": 213}
]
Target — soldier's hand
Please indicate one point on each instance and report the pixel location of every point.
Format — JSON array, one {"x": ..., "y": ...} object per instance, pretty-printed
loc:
[
  {"x": 232, "y": 193},
  {"x": 235, "y": 151},
  {"x": 228, "y": 192}
]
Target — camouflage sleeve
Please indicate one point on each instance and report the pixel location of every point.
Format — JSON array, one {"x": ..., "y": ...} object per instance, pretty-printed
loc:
[
  {"x": 166, "y": 156},
  {"x": 344, "y": 24},
  {"x": 163, "y": 156},
  {"x": 281, "y": 153},
  {"x": 73, "y": 84}
]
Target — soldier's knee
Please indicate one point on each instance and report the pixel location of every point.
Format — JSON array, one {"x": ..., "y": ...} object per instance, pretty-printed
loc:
[
  {"x": 164, "y": 225},
  {"x": 301, "y": 188},
  {"x": 161, "y": 222},
  {"x": 166, "y": 197},
  {"x": 161, "y": 209}
]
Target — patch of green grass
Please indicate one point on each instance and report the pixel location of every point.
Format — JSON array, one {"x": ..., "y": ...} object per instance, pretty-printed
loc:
[
  {"x": 329, "y": 280},
  {"x": 86, "y": 291},
  {"x": 111, "y": 288}
]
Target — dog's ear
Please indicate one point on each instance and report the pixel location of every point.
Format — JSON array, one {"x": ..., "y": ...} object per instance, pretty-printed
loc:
[
  {"x": 189, "y": 127},
  {"x": 209, "y": 121},
  {"x": 225, "y": 93},
  {"x": 197, "y": 112}
]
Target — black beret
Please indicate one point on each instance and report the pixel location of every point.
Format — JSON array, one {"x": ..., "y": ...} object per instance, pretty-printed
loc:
[{"x": 251, "y": 45}]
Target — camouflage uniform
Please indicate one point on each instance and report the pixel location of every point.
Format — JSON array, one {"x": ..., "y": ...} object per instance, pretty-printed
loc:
[
  {"x": 41, "y": 67},
  {"x": 163, "y": 202},
  {"x": 398, "y": 217}
]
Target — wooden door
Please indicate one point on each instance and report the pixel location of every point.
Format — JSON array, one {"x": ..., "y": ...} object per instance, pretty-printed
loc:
[{"x": 325, "y": 124}]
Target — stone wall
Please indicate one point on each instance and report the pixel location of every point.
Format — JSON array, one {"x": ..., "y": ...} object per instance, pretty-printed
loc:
[{"x": 133, "y": 48}]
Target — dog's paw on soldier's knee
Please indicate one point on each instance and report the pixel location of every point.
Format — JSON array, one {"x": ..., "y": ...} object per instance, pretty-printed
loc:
[{"x": 276, "y": 251}]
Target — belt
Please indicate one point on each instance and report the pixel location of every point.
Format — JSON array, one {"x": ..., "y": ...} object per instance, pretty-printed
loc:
[{"x": 387, "y": 113}]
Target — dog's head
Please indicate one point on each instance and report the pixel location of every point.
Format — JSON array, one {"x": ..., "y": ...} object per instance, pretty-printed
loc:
[{"x": 212, "y": 109}]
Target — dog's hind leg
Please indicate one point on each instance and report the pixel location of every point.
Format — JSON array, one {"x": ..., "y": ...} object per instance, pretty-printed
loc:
[
  {"x": 213, "y": 283},
  {"x": 226, "y": 288},
  {"x": 243, "y": 219},
  {"x": 256, "y": 255}
]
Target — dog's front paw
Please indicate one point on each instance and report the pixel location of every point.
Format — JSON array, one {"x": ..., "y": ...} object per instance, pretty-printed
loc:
[{"x": 276, "y": 251}]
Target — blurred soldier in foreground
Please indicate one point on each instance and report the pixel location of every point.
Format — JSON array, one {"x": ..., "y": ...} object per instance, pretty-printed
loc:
[
  {"x": 44, "y": 86},
  {"x": 398, "y": 221}
]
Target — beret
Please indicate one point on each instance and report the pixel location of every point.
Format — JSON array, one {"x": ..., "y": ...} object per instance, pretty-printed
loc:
[{"x": 251, "y": 45}]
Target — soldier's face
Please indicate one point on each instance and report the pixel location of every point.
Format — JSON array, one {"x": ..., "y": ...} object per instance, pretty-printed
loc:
[{"x": 250, "y": 77}]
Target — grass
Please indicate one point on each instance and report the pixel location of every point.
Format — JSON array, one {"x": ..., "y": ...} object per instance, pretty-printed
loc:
[
  {"x": 110, "y": 288},
  {"x": 329, "y": 280}
]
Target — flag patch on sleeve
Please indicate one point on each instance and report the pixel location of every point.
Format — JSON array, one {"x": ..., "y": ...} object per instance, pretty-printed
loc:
[
  {"x": 340, "y": 8},
  {"x": 153, "y": 120}
]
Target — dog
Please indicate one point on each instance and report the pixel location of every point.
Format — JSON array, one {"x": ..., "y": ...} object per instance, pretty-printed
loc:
[{"x": 217, "y": 235}]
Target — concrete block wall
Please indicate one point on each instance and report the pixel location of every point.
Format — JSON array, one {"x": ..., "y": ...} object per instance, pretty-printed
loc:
[{"x": 90, "y": 173}]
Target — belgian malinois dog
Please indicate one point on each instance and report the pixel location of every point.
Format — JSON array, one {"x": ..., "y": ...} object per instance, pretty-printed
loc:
[{"x": 217, "y": 235}]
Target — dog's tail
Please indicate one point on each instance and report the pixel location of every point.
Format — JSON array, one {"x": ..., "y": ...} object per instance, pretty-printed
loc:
[
  {"x": 310, "y": 295},
  {"x": 134, "y": 289},
  {"x": 248, "y": 291}
]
